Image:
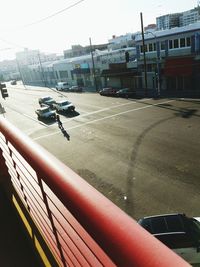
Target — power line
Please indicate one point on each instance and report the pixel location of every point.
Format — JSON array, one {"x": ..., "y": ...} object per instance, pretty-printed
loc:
[{"x": 54, "y": 14}]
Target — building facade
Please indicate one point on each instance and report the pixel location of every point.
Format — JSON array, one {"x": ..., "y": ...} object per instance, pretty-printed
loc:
[{"x": 172, "y": 58}]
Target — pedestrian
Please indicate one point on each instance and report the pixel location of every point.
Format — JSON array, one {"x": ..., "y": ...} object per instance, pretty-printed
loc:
[{"x": 59, "y": 121}]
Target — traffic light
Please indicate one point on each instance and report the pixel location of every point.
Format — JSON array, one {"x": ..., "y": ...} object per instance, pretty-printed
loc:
[
  {"x": 4, "y": 91},
  {"x": 127, "y": 58}
]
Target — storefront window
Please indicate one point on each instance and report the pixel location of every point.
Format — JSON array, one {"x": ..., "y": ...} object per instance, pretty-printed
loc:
[
  {"x": 176, "y": 43},
  {"x": 188, "y": 41},
  {"x": 182, "y": 42}
]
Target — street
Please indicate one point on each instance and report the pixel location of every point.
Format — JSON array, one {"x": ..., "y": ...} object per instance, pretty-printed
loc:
[{"x": 144, "y": 155}]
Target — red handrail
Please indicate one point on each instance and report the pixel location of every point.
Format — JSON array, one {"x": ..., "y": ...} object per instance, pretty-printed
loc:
[{"x": 119, "y": 236}]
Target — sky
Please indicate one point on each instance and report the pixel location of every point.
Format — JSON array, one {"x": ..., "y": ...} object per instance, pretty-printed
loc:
[{"x": 23, "y": 23}]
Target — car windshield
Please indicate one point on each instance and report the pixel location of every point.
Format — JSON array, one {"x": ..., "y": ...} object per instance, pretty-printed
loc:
[
  {"x": 45, "y": 110},
  {"x": 65, "y": 103},
  {"x": 47, "y": 98}
]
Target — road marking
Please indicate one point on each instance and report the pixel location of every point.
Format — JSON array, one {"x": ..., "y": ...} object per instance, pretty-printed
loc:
[
  {"x": 105, "y": 118},
  {"x": 98, "y": 111},
  {"x": 36, "y": 120}
]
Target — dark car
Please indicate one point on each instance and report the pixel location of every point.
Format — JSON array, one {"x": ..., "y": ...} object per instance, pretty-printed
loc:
[
  {"x": 46, "y": 101},
  {"x": 177, "y": 231},
  {"x": 126, "y": 92},
  {"x": 109, "y": 91},
  {"x": 14, "y": 82},
  {"x": 76, "y": 88}
]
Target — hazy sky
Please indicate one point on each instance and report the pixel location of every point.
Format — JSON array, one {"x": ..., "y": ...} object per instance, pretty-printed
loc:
[{"x": 90, "y": 18}]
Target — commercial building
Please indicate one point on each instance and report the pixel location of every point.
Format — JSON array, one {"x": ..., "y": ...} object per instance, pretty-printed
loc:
[{"x": 172, "y": 59}]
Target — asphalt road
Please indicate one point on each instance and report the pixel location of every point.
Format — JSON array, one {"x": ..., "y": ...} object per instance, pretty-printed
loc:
[{"x": 144, "y": 154}]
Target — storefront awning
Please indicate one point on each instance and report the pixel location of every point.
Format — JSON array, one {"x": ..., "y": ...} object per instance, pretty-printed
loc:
[{"x": 179, "y": 66}]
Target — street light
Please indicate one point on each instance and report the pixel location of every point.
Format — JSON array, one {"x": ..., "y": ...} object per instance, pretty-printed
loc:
[{"x": 157, "y": 60}]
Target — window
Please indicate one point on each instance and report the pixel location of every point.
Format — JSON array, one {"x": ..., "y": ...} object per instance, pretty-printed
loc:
[
  {"x": 150, "y": 47},
  {"x": 154, "y": 46},
  {"x": 188, "y": 41},
  {"x": 170, "y": 44},
  {"x": 182, "y": 42},
  {"x": 162, "y": 45},
  {"x": 141, "y": 48},
  {"x": 176, "y": 45},
  {"x": 63, "y": 74}
]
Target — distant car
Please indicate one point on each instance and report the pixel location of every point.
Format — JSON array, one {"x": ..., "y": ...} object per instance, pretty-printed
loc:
[
  {"x": 177, "y": 231},
  {"x": 126, "y": 92},
  {"x": 14, "y": 82},
  {"x": 63, "y": 105},
  {"x": 62, "y": 86},
  {"x": 76, "y": 88},
  {"x": 45, "y": 113},
  {"x": 46, "y": 100},
  {"x": 109, "y": 91}
]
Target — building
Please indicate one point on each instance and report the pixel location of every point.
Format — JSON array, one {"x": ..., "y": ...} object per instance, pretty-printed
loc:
[
  {"x": 173, "y": 59},
  {"x": 190, "y": 16},
  {"x": 122, "y": 41},
  {"x": 168, "y": 21},
  {"x": 78, "y": 50},
  {"x": 178, "y": 19}
]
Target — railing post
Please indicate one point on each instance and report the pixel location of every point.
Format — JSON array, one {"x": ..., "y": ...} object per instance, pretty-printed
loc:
[{"x": 3, "y": 168}]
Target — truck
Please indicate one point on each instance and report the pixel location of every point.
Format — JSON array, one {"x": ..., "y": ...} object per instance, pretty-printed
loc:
[{"x": 63, "y": 106}]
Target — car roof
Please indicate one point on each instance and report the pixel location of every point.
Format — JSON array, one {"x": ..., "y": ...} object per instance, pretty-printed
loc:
[
  {"x": 61, "y": 101},
  {"x": 42, "y": 97},
  {"x": 164, "y": 223},
  {"x": 43, "y": 108}
]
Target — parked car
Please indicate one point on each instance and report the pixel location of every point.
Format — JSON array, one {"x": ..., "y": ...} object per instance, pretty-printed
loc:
[
  {"x": 46, "y": 100},
  {"x": 14, "y": 82},
  {"x": 63, "y": 105},
  {"x": 45, "y": 113},
  {"x": 126, "y": 92},
  {"x": 76, "y": 88},
  {"x": 109, "y": 91},
  {"x": 177, "y": 231},
  {"x": 62, "y": 86}
]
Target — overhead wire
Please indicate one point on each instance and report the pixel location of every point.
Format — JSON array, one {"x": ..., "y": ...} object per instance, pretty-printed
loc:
[{"x": 54, "y": 14}]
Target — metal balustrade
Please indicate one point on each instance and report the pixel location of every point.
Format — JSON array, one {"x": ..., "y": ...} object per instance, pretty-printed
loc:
[{"x": 70, "y": 222}]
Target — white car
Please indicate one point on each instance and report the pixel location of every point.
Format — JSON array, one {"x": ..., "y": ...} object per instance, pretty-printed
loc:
[
  {"x": 45, "y": 113},
  {"x": 178, "y": 232},
  {"x": 62, "y": 86},
  {"x": 63, "y": 105}
]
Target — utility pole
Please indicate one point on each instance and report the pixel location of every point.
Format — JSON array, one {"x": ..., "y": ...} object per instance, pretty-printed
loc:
[
  {"x": 144, "y": 55},
  {"x": 20, "y": 74},
  {"x": 93, "y": 67},
  {"x": 157, "y": 62},
  {"x": 43, "y": 77}
]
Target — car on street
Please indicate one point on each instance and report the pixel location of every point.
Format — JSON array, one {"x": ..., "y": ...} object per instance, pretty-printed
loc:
[
  {"x": 108, "y": 91},
  {"x": 62, "y": 86},
  {"x": 46, "y": 100},
  {"x": 14, "y": 82},
  {"x": 76, "y": 88},
  {"x": 63, "y": 106},
  {"x": 178, "y": 232},
  {"x": 126, "y": 92},
  {"x": 45, "y": 113}
]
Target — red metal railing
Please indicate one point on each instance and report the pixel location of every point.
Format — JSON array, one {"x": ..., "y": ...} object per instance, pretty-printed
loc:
[{"x": 80, "y": 226}]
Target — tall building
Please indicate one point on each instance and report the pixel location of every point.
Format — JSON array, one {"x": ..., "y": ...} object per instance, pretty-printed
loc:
[
  {"x": 178, "y": 19},
  {"x": 168, "y": 21},
  {"x": 190, "y": 16}
]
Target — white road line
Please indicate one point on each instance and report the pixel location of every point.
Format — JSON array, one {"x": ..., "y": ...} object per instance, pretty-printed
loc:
[
  {"x": 35, "y": 120},
  {"x": 105, "y": 118}
]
